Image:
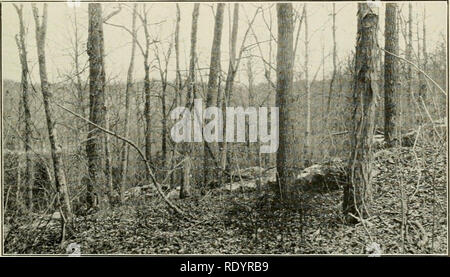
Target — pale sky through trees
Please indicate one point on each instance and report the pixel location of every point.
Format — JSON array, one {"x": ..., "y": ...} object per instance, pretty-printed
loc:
[{"x": 117, "y": 41}]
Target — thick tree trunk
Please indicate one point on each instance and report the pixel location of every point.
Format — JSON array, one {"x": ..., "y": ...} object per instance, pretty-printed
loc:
[
  {"x": 211, "y": 149},
  {"x": 60, "y": 178},
  {"x": 191, "y": 94},
  {"x": 20, "y": 40},
  {"x": 128, "y": 91},
  {"x": 390, "y": 75},
  {"x": 97, "y": 188},
  {"x": 357, "y": 192},
  {"x": 285, "y": 101}
]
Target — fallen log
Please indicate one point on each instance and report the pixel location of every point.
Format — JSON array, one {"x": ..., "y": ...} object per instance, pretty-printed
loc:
[
  {"x": 437, "y": 127},
  {"x": 319, "y": 178}
]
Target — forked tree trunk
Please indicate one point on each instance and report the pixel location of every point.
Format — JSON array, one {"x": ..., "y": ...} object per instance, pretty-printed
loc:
[
  {"x": 285, "y": 101},
  {"x": 357, "y": 193},
  {"x": 390, "y": 75},
  {"x": 60, "y": 178}
]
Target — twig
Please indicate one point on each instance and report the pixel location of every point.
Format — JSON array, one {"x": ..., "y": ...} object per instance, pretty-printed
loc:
[
  {"x": 132, "y": 144},
  {"x": 417, "y": 68}
]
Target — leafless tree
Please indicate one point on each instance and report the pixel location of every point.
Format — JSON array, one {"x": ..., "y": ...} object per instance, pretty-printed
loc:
[
  {"x": 96, "y": 189},
  {"x": 185, "y": 189},
  {"x": 211, "y": 149},
  {"x": 357, "y": 193},
  {"x": 285, "y": 100},
  {"x": 128, "y": 91},
  {"x": 390, "y": 75},
  {"x": 60, "y": 178},
  {"x": 27, "y": 135}
]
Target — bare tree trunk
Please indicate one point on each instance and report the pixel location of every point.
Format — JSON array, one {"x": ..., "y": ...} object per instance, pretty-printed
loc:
[
  {"x": 409, "y": 77},
  {"x": 211, "y": 149},
  {"x": 285, "y": 100},
  {"x": 333, "y": 76},
  {"x": 306, "y": 149},
  {"x": 424, "y": 44},
  {"x": 108, "y": 162},
  {"x": 77, "y": 54},
  {"x": 60, "y": 178},
  {"x": 177, "y": 56},
  {"x": 423, "y": 85},
  {"x": 191, "y": 94},
  {"x": 269, "y": 157},
  {"x": 357, "y": 193},
  {"x": 250, "y": 101},
  {"x": 20, "y": 40},
  {"x": 128, "y": 91},
  {"x": 96, "y": 189},
  {"x": 178, "y": 91},
  {"x": 390, "y": 75},
  {"x": 225, "y": 98},
  {"x": 323, "y": 81},
  {"x": 164, "y": 121},
  {"x": 147, "y": 111}
]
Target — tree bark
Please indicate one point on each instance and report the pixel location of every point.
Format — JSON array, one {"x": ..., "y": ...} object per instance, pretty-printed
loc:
[
  {"x": 390, "y": 75},
  {"x": 333, "y": 76},
  {"x": 423, "y": 85},
  {"x": 21, "y": 45},
  {"x": 285, "y": 101},
  {"x": 77, "y": 54},
  {"x": 357, "y": 192},
  {"x": 128, "y": 91},
  {"x": 108, "y": 162},
  {"x": 147, "y": 111},
  {"x": 306, "y": 149},
  {"x": 96, "y": 189},
  {"x": 190, "y": 96},
  {"x": 211, "y": 149},
  {"x": 409, "y": 49},
  {"x": 224, "y": 99},
  {"x": 60, "y": 178}
]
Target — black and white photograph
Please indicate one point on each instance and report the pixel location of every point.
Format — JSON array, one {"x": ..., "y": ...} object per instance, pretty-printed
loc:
[{"x": 224, "y": 128}]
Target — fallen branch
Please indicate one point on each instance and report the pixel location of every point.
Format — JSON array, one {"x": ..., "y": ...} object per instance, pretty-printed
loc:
[{"x": 132, "y": 144}]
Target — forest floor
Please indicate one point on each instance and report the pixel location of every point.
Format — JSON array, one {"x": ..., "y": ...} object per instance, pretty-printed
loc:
[{"x": 243, "y": 222}]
